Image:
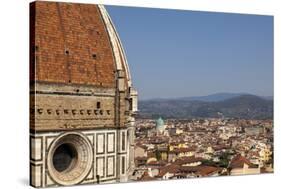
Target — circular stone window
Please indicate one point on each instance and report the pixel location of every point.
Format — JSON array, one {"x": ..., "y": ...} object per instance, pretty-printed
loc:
[
  {"x": 70, "y": 158},
  {"x": 65, "y": 157}
]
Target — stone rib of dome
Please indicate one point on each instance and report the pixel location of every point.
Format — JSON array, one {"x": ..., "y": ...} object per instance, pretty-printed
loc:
[{"x": 121, "y": 59}]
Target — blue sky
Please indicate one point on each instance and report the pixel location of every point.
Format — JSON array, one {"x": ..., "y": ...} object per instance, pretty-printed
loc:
[{"x": 175, "y": 53}]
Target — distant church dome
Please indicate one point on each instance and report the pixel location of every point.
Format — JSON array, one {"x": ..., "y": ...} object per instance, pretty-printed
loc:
[{"x": 160, "y": 124}]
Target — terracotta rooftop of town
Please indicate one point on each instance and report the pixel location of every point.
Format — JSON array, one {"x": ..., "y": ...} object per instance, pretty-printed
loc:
[
  {"x": 156, "y": 163},
  {"x": 186, "y": 160},
  {"x": 239, "y": 161},
  {"x": 172, "y": 168},
  {"x": 182, "y": 150},
  {"x": 201, "y": 170},
  {"x": 146, "y": 177},
  {"x": 141, "y": 158},
  {"x": 207, "y": 170}
]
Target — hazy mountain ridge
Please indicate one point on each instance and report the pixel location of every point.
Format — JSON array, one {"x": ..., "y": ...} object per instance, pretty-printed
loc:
[
  {"x": 214, "y": 97},
  {"x": 209, "y": 98},
  {"x": 240, "y": 106}
]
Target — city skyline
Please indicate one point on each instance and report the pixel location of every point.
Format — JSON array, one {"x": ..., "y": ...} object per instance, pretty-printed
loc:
[{"x": 170, "y": 51}]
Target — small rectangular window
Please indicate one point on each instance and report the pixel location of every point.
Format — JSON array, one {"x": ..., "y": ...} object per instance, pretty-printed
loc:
[
  {"x": 98, "y": 105},
  {"x": 131, "y": 104},
  {"x": 123, "y": 141},
  {"x": 123, "y": 165}
]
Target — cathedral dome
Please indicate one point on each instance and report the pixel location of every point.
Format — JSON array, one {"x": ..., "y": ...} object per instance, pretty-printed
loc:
[
  {"x": 81, "y": 98},
  {"x": 76, "y": 44}
]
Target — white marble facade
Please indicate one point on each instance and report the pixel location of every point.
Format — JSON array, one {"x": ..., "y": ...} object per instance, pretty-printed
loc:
[{"x": 109, "y": 162}]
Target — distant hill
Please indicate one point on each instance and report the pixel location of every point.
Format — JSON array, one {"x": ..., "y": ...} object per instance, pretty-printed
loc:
[
  {"x": 214, "y": 97},
  {"x": 267, "y": 97},
  {"x": 240, "y": 106}
]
